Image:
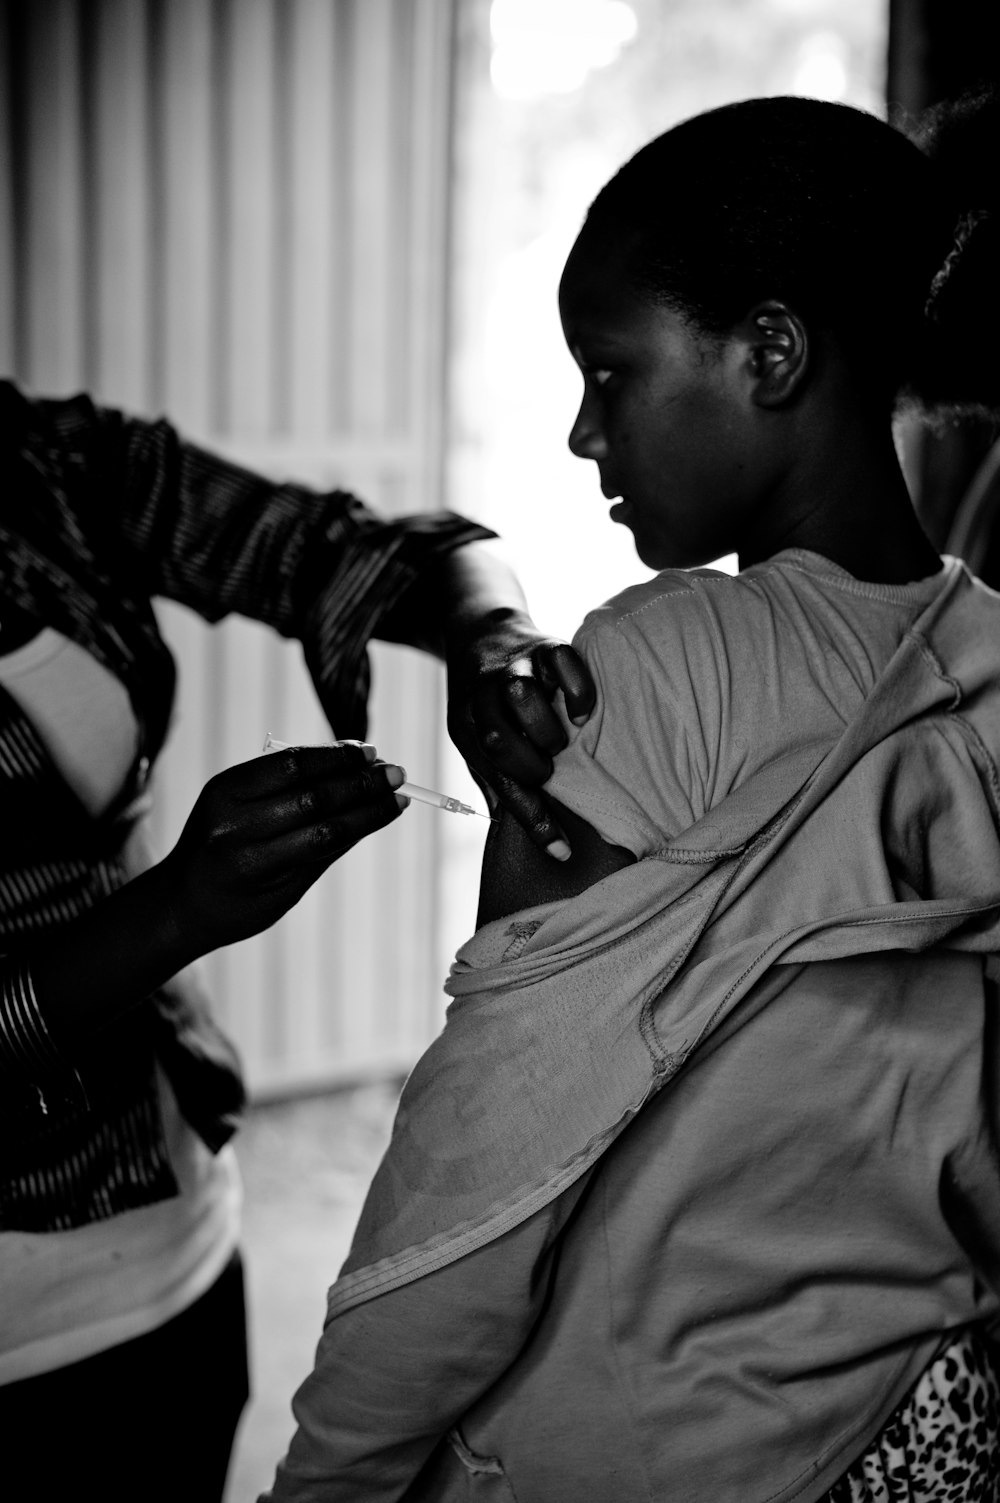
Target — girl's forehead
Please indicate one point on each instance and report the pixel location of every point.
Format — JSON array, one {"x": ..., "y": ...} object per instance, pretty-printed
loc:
[
  {"x": 595, "y": 290},
  {"x": 597, "y": 254}
]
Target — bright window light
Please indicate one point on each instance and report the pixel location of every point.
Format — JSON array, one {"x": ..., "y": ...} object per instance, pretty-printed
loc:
[
  {"x": 549, "y": 46},
  {"x": 822, "y": 68}
]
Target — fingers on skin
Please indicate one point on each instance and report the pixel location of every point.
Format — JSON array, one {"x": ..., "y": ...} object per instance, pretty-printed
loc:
[
  {"x": 575, "y": 682},
  {"x": 533, "y": 814},
  {"x": 510, "y": 753},
  {"x": 517, "y": 729},
  {"x": 516, "y": 722},
  {"x": 531, "y": 710}
]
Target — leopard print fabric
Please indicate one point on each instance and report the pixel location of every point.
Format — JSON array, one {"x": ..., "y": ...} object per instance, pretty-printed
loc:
[{"x": 943, "y": 1444}]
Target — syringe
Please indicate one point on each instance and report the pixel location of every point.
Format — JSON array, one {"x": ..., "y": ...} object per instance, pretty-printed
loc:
[
  {"x": 409, "y": 790},
  {"x": 439, "y": 800}
]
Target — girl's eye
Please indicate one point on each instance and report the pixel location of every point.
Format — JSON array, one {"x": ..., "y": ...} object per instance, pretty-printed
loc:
[{"x": 599, "y": 375}]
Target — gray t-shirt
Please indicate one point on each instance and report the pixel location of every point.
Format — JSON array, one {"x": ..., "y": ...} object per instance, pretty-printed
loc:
[{"x": 704, "y": 677}]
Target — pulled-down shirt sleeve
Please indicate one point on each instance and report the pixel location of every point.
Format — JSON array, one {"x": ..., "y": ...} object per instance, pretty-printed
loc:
[{"x": 703, "y": 679}]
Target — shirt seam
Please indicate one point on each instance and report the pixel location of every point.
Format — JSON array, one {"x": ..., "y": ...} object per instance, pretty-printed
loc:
[{"x": 884, "y": 594}]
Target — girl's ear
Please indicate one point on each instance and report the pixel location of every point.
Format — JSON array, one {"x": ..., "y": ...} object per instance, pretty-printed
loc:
[{"x": 778, "y": 353}]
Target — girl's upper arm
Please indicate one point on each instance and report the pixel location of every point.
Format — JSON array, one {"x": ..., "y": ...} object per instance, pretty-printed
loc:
[{"x": 517, "y": 874}]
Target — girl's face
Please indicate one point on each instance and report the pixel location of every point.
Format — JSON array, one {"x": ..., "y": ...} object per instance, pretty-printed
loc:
[{"x": 666, "y": 414}]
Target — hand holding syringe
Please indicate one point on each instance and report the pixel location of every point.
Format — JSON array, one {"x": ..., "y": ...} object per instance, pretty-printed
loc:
[{"x": 408, "y": 790}]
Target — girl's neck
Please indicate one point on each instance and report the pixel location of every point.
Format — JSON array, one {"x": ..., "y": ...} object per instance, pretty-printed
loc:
[
  {"x": 891, "y": 548},
  {"x": 844, "y": 497}
]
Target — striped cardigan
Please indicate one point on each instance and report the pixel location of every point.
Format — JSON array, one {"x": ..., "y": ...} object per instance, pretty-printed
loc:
[{"x": 101, "y": 513}]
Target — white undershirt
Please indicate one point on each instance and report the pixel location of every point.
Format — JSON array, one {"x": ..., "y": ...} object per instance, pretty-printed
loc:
[
  {"x": 80, "y": 711},
  {"x": 68, "y": 1295}
]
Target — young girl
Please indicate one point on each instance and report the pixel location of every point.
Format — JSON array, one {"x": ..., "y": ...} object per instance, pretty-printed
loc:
[{"x": 697, "y": 1197}]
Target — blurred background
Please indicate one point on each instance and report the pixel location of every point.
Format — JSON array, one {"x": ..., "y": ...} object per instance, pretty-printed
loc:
[{"x": 324, "y": 238}]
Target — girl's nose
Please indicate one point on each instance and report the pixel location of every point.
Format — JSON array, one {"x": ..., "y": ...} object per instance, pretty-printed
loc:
[{"x": 586, "y": 437}]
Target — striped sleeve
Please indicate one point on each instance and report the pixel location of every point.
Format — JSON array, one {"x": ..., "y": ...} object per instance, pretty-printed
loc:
[
  {"x": 26, "y": 1046},
  {"x": 363, "y": 585},
  {"x": 219, "y": 538},
  {"x": 322, "y": 567}
]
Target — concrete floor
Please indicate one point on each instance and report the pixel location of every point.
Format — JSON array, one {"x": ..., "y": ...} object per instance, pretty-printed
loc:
[{"x": 306, "y": 1167}]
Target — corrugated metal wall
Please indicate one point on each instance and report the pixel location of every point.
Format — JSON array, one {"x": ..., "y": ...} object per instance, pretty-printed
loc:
[{"x": 234, "y": 212}]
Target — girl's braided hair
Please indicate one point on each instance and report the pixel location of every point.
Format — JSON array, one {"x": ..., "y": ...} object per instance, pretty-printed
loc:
[{"x": 888, "y": 243}]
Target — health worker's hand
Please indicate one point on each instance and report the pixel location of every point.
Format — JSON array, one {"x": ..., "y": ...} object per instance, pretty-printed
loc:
[
  {"x": 261, "y": 833},
  {"x": 502, "y": 679}
]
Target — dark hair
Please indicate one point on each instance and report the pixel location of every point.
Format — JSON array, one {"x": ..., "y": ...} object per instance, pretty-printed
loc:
[{"x": 854, "y": 224}]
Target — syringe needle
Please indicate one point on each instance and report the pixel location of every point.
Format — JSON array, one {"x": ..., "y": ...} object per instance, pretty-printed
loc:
[
  {"x": 410, "y": 790},
  {"x": 439, "y": 800}
]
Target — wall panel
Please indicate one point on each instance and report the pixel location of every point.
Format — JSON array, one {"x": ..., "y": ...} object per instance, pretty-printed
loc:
[
  {"x": 234, "y": 212},
  {"x": 118, "y": 332}
]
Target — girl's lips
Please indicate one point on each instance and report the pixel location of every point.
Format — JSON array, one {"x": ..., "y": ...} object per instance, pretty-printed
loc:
[{"x": 620, "y": 511}]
